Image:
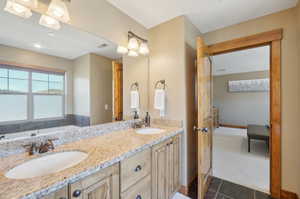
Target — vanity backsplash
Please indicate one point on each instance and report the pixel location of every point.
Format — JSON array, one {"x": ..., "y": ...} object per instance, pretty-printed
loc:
[{"x": 15, "y": 143}]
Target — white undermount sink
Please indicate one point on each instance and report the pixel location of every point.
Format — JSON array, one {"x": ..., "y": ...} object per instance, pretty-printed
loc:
[
  {"x": 149, "y": 131},
  {"x": 47, "y": 164}
]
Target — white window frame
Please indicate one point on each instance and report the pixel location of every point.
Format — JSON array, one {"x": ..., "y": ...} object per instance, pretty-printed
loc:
[{"x": 30, "y": 95}]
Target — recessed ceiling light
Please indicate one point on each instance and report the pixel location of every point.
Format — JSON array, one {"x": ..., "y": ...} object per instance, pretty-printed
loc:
[{"x": 37, "y": 45}]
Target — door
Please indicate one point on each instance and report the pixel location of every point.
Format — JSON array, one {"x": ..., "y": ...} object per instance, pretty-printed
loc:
[
  {"x": 60, "y": 194},
  {"x": 205, "y": 119},
  {"x": 118, "y": 90},
  {"x": 99, "y": 190}
]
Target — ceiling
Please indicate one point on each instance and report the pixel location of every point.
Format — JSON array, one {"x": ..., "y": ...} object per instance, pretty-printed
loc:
[
  {"x": 67, "y": 42},
  {"x": 207, "y": 15},
  {"x": 250, "y": 60}
]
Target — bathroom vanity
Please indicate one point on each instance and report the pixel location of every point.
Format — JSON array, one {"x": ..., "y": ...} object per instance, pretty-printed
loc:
[{"x": 120, "y": 164}]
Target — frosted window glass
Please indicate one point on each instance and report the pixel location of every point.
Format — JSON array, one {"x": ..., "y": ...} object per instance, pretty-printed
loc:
[
  {"x": 3, "y": 72},
  {"x": 13, "y": 107},
  {"x": 47, "y": 106},
  {"x": 3, "y": 84},
  {"x": 40, "y": 76},
  {"x": 56, "y": 78},
  {"x": 18, "y": 74},
  {"x": 39, "y": 87},
  {"x": 55, "y": 88},
  {"x": 18, "y": 85}
]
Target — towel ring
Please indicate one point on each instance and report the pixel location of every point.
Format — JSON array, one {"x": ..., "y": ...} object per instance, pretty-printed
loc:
[
  {"x": 134, "y": 86},
  {"x": 160, "y": 83}
]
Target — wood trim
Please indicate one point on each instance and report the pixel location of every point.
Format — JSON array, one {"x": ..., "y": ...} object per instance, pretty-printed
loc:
[
  {"x": 246, "y": 42},
  {"x": 233, "y": 126},
  {"x": 275, "y": 115},
  {"x": 32, "y": 67},
  {"x": 288, "y": 195},
  {"x": 273, "y": 39}
]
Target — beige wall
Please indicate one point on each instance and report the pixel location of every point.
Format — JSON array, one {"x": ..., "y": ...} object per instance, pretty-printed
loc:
[
  {"x": 21, "y": 56},
  {"x": 101, "y": 89},
  {"x": 191, "y": 34},
  {"x": 135, "y": 69},
  {"x": 290, "y": 83},
  {"x": 81, "y": 86},
  {"x": 172, "y": 58},
  {"x": 241, "y": 108}
]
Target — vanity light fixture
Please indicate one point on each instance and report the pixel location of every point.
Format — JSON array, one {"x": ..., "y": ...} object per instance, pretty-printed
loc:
[
  {"x": 58, "y": 10},
  {"x": 17, "y": 9},
  {"x": 136, "y": 45},
  {"x": 122, "y": 50},
  {"x": 28, "y": 3},
  {"x": 132, "y": 53},
  {"x": 49, "y": 22}
]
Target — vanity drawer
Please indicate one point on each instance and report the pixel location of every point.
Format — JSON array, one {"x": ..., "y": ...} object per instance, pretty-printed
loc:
[
  {"x": 135, "y": 168},
  {"x": 141, "y": 190}
]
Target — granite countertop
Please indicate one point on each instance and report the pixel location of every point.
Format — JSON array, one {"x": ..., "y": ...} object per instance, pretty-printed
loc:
[{"x": 103, "y": 151}]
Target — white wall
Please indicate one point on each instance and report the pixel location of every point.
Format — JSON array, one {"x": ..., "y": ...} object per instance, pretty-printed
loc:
[{"x": 241, "y": 108}]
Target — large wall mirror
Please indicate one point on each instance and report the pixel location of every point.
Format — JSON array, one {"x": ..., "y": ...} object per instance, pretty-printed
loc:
[{"x": 67, "y": 77}]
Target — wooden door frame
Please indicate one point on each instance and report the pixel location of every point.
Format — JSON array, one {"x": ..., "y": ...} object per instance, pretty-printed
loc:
[{"x": 273, "y": 39}]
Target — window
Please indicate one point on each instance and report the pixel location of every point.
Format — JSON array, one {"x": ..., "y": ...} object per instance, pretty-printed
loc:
[{"x": 30, "y": 95}]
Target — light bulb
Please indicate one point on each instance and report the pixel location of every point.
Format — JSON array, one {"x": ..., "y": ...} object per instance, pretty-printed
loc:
[
  {"x": 58, "y": 10},
  {"x": 122, "y": 50},
  {"x": 28, "y": 3},
  {"x": 133, "y": 44},
  {"x": 17, "y": 9},
  {"x": 49, "y": 22},
  {"x": 144, "y": 50},
  {"x": 132, "y": 53}
]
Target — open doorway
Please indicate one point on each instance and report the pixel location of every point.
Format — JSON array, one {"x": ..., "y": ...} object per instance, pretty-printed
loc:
[
  {"x": 241, "y": 111},
  {"x": 205, "y": 120}
]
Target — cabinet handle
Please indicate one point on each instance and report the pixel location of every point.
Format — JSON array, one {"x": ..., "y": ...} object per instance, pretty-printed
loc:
[
  {"x": 138, "y": 168},
  {"x": 138, "y": 197},
  {"x": 76, "y": 193},
  {"x": 62, "y": 198}
]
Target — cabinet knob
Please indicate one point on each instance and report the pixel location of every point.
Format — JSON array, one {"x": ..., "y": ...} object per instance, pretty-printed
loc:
[
  {"x": 138, "y": 168},
  {"x": 138, "y": 197},
  {"x": 76, "y": 193},
  {"x": 62, "y": 198}
]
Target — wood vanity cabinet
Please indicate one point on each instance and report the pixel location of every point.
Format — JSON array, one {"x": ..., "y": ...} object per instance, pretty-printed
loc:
[
  {"x": 102, "y": 185},
  {"x": 166, "y": 168},
  {"x": 60, "y": 194}
]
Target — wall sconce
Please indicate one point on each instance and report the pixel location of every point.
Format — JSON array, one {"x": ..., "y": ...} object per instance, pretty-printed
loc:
[{"x": 135, "y": 45}]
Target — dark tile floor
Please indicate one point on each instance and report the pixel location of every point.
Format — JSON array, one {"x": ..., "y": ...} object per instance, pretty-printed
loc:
[{"x": 221, "y": 189}]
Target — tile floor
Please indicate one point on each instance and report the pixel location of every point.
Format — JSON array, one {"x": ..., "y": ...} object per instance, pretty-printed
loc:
[
  {"x": 222, "y": 189},
  {"x": 232, "y": 162}
]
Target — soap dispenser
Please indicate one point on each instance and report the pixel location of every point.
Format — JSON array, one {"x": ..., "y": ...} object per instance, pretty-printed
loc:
[
  {"x": 147, "y": 119},
  {"x": 136, "y": 115}
]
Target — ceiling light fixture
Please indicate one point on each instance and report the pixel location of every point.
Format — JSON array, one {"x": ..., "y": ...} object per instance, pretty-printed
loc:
[
  {"x": 17, "y": 9},
  {"x": 58, "y": 10},
  {"x": 136, "y": 45},
  {"x": 49, "y": 22}
]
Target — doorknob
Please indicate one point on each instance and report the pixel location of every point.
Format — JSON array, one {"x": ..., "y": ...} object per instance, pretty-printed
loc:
[{"x": 203, "y": 130}]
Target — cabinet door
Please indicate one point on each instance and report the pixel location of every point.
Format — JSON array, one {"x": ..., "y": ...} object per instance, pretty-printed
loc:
[
  {"x": 99, "y": 190},
  {"x": 102, "y": 185},
  {"x": 176, "y": 163},
  {"x": 60, "y": 194},
  {"x": 159, "y": 171}
]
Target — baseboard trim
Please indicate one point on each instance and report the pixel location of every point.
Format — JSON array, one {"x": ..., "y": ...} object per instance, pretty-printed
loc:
[
  {"x": 184, "y": 190},
  {"x": 288, "y": 195},
  {"x": 233, "y": 126}
]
